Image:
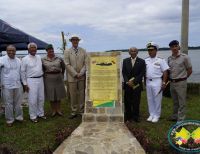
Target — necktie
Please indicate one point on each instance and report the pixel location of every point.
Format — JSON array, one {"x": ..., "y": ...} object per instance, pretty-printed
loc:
[{"x": 76, "y": 51}]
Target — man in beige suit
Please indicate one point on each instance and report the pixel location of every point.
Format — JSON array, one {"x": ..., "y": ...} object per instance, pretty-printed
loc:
[{"x": 75, "y": 60}]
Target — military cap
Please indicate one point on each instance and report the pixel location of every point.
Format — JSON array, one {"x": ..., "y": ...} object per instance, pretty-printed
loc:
[
  {"x": 49, "y": 46},
  {"x": 152, "y": 45},
  {"x": 174, "y": 42}
]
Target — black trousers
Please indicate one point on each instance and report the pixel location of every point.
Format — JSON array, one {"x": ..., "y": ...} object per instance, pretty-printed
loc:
[{"x": 132, "y": 103}]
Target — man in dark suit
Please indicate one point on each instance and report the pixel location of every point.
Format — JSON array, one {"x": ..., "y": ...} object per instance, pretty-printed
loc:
[{"x": 133, "y": 72}]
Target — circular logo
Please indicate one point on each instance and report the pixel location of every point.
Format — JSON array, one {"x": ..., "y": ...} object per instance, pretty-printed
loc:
[{"x": 185, "y": 136}]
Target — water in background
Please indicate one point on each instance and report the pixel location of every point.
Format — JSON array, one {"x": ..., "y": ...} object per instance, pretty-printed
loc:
[{"x": 193, "y": 54}]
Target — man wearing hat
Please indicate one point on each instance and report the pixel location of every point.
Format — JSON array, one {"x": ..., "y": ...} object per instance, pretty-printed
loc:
[
  {"x": 75, "y": 61},
  {"x": 180, "y": 69},
  {"x": 156, "y": 77}
]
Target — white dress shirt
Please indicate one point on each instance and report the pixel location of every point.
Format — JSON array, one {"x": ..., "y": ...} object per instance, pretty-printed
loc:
[
  {"x": 133, "y": 61},
  {"x": 31, "y": 67},
  {"x": 10, "y": 72},
  {"x": 155, "y": 67}
]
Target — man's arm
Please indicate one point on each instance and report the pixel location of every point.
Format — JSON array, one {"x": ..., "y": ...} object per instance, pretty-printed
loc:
[
  {"x": 23, "y": 72},
  {"x": 68, "y": 66},
  {"x": 124, "y": 71},
  {"x": 189, "y": 71},
  {"x": 62, "y": 66},
  {"x": 165, "y": 76},
  {"x": 24, "y": 75},
  {"x": 83, "y": 70},
  {"x": 188, "y": 65},
  {"x": 139, "y": 77}
]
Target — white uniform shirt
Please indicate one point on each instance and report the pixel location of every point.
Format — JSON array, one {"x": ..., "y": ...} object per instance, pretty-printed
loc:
[
  {"x": 155, "y": 67},
  {"x": 31, "y": 67},
  {"x": 10, "y": 72}
]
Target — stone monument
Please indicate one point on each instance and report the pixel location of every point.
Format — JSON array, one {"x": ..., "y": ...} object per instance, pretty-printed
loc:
[
  {"x": 102, "y": 130},
  {"x": 103, "y": 88}
]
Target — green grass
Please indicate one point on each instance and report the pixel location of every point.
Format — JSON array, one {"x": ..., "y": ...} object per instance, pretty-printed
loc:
[
  {"x": 157, "y": 133},
  {"x": 28, "y": 138}
]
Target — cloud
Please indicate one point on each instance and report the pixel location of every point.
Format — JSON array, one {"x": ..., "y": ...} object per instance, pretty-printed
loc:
[{"x": 115, "y": 18}]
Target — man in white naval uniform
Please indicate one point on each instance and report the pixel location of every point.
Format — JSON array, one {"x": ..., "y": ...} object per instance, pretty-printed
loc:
[
  {"x": 156, "y": 77},
  {"x": 11, "y": 85},
  {"x": 32, "y": 78}
]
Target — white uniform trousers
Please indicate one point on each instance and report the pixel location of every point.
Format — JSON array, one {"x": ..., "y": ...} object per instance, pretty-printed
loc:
[
  {"x": 154, "y": 99},
  {"x": 13, "y": 99},
  {"x": 36, "y": 97}
]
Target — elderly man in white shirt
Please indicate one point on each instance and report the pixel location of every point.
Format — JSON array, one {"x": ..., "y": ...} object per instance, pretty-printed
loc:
[
  {"x": 32, "y": 78},
  {"x": 11, "y": 86}
]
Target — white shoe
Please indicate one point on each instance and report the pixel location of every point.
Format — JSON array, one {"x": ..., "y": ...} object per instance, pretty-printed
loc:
[
  {"x": 150, "y": 118},
  {"x": 155, "y": 119}
]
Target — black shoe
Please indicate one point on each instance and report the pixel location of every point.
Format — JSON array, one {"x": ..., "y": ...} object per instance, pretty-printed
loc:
[
  {"x": 43, "y": 117},
  {"x": 53, "y": 114},
  {"x": 72, "y": 116},
  {"x": 9, "y": 124},
  {"x": 60, "y": 114}
]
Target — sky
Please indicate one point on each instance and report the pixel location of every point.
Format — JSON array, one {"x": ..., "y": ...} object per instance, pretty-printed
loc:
[{"x": 103, "y": 24}]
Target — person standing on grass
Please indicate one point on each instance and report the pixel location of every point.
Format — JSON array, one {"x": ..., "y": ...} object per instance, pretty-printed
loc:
[
  {"x": 135, "y": 68},
  {"x": 156, "y": 77},
  {"x": 11, "y": 86},
  {"x": 32, "y": 78},
  {"x": 54, "y": 68},
  {"x": 180, "y": 69},
  {"x": 75, "y": 61}
]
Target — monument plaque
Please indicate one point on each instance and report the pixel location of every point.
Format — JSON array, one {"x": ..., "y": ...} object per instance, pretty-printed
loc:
[{"x": 103, "y": 87}]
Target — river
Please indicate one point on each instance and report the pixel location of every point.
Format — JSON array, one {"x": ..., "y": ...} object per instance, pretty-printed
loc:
[{"x": 193, "y": 54}]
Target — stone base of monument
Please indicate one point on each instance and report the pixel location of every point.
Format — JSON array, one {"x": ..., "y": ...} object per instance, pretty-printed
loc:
[
  {"x": 101, "y": 138},
  {"x": 103, "y": 130}
]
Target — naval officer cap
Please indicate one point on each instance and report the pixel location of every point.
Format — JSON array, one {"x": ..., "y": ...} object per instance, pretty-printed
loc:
[
  {"x": 152, "y": 45},
  {"x": 174, "y": 42}
]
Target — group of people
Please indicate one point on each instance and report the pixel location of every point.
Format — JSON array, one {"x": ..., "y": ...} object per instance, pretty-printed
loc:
[
  {"x": 43, "y": 80},
  {"x": 157, "y": 74}
]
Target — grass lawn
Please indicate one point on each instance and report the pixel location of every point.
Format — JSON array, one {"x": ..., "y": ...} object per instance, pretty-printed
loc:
[
  {"x": 45, "y": 136},
  {"x": 42, "y": 137},
  {"x": 153, "y": 137}
]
